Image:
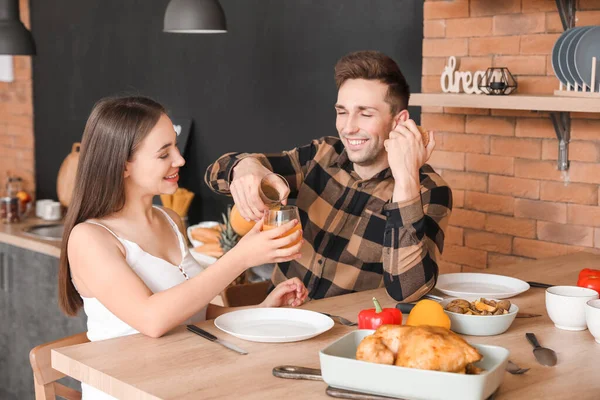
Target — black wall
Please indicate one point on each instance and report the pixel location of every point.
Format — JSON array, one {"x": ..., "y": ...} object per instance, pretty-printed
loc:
[{"x": 266, "y": 85}]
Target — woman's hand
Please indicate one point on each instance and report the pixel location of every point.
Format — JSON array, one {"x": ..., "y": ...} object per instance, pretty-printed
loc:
[
  {"x": 264, "y": 247},
  {"x": 289, "y": 293}
]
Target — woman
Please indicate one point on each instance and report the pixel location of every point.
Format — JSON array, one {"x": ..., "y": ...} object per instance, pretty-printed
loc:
[{"x": 125, "y": 261}]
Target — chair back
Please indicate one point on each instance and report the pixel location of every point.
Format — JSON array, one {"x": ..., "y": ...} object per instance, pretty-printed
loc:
[
  {"x": 44, "y": 377},
  {"x": 247, "y": 294}
]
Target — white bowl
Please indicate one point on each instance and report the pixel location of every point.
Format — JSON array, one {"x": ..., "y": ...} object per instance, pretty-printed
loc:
[
  {"x": 592, "y": 318},
  {"x": 480, "y": 325},
  {"x": 566, "y": 306}
]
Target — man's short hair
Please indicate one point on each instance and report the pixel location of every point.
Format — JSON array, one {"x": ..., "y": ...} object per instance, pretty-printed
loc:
[{"x": 374, "y": 65}]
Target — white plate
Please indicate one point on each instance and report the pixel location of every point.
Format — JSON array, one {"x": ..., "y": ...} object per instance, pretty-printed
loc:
[
  {"x": 464, "y": 284},
  {"x": 588, "y": 47},
  {"x": 340, "y": 369},
  {"x": 203, "y": 259},
  {"x": 274, "y": 325}
]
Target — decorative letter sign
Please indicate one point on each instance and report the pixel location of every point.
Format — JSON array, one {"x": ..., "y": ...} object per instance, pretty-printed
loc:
[{"x": 451, "y": 79}]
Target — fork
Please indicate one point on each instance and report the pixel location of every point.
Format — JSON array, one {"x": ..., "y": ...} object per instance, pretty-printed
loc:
[
  {"x": 341, "y": 320},
  {"x": 514, "y": 369}
]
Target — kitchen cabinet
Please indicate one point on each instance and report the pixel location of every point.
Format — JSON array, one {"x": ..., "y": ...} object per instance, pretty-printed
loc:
[
  {"x": 29, "y": 316},
  {"x": 4, "y": 322}
]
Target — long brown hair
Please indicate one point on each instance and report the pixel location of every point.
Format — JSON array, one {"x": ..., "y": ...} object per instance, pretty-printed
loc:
[
  {"x": 374, "y": 65},
  {"x": 112, "y": 134}
]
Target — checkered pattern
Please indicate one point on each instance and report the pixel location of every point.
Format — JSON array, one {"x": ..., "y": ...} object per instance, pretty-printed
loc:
[{"x": 356, "y": 238}]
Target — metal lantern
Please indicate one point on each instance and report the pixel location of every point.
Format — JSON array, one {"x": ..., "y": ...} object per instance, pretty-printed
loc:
[{"x": 497, "y": 81}]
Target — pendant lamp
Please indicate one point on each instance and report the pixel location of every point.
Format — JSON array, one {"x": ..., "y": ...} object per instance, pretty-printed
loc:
[
  {"x": 194, "y": 16},
  {"x": 15, "y": 39}
]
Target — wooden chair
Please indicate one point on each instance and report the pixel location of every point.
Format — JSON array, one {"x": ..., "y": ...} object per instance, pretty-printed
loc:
[
  {"x": 44, "y": 377},
  {"x": 247, "y": 294}
]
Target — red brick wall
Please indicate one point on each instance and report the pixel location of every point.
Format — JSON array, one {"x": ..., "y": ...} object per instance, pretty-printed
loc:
[
  {"x": 16, "y": 119},
  {"x": 511, "y": 202}
]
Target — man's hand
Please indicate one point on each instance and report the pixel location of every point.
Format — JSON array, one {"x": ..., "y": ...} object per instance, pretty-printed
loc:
[
  {"x": 245, "y": 188},
  {"x": 406, "y": 154}
]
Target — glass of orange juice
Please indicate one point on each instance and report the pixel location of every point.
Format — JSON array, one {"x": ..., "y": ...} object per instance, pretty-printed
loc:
[{"x": 277, "y": 217}]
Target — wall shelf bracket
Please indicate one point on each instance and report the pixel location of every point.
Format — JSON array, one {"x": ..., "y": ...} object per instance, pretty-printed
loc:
[
  {"x": 566, "y": 9},
  {"x": 562, "y": 126}
]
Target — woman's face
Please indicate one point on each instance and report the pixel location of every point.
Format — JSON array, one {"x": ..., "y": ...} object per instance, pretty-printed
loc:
[{"x": 154, "y": 167}]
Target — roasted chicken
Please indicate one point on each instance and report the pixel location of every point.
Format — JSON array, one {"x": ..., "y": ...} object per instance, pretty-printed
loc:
[{"x": 422, "y": 347}]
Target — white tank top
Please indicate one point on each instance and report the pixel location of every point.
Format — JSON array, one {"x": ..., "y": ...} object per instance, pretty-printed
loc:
[{"x": 156, "y": 273}]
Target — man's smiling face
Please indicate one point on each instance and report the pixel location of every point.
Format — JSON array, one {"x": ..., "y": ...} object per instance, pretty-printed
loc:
[{"x": 364, "y": 120}]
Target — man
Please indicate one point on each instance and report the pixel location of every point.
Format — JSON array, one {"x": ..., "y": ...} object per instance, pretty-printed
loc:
[{"x": 373, "y": 213}]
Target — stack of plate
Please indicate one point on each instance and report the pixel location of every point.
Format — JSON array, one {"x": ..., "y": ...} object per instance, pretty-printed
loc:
[{"x": 572, "y": 57}]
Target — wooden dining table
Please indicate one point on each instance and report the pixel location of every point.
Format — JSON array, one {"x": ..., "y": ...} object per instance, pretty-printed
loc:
[{"x": 182, "y": 365}]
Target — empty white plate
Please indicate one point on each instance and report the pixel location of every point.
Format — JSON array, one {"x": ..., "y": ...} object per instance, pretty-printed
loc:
[
  {"x": 464, "y": 284},
  {"x": 274, "y": 325}
]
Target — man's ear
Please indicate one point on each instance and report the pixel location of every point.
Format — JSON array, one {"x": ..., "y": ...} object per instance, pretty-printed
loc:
[{"x": 401, "y": 117}]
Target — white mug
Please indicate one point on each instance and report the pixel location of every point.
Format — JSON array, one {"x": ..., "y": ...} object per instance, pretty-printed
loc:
[
  {"x": 52, "y": 211},
  {"x": 40, "y": 207}
]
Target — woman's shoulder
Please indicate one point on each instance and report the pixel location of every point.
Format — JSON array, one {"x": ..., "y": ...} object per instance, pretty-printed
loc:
[
  {"x": 92, "y": 234},
  {"x": 174, "y": 217}
]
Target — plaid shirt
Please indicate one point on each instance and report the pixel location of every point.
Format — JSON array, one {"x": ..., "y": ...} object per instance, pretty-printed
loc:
[{"x": 355, "y": 237}]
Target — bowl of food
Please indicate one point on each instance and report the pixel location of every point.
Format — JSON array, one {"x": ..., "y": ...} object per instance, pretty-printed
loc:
[
  {"x": 205, "y": 240},
  {"x": 480, "y": 317},
  {"x": 413, "y": 362}
]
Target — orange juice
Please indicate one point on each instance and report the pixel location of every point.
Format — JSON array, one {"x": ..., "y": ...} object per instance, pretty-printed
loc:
[{"x": 288, "y": 233}]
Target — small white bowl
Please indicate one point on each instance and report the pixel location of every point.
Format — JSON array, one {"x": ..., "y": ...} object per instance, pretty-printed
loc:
[
  {"x": 592, "y": 318},
  {"x": 480, "y": 325},
  {"x": 566, "y": 306}
]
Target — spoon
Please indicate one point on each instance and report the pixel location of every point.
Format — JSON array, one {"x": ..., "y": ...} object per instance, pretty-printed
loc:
[{"x": 543, "y": 355}]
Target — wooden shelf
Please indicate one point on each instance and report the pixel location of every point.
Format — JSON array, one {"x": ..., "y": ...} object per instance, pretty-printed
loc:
[{"x": 509, "y": 102}]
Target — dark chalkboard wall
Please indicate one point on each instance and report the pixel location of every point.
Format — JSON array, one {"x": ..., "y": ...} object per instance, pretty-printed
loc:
[{"x": 266, "y": 85}]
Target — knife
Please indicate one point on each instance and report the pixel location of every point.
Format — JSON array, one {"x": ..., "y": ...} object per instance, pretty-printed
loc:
[
  {"x": 527, "y": 315},
  {"x": 540, "y": 285},
  {"x": 314, "y": 374},
  {"x": 213, "y": 338}
]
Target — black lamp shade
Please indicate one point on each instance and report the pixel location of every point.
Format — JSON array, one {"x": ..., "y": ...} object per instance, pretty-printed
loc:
[
  {"x": 15, "y": 39},
  {"x": 195, "y": 16}
]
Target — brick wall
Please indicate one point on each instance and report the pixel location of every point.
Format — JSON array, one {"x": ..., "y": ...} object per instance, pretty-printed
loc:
[
  {"x": 511, "y": 203},
  {"x": 16, "y": 119}
]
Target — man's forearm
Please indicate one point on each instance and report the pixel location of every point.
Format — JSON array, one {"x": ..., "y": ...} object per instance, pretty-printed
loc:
[
  {"x": 244, "y": 164},
  {"x": 219, "y": 174}
]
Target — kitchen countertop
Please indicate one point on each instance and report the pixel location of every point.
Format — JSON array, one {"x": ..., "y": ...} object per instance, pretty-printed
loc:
[{"x": 13, "y": 234}]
